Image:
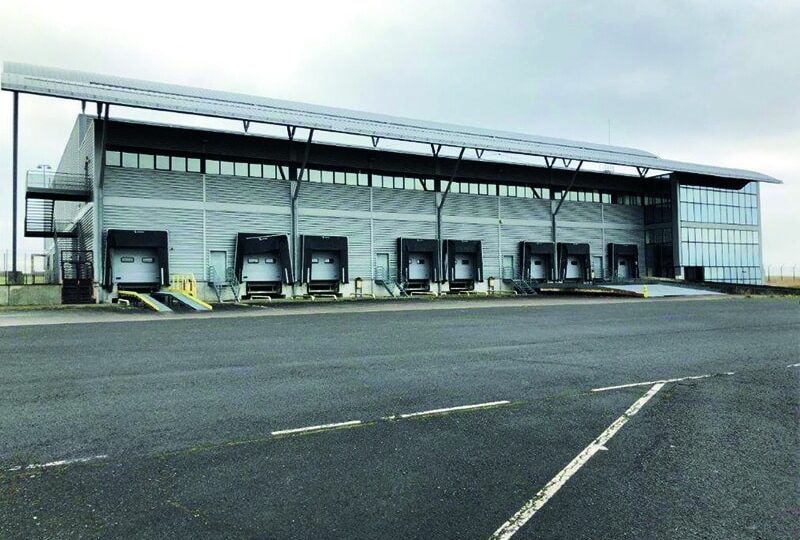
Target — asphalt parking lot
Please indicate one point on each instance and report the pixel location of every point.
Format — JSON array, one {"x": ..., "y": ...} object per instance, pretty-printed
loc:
[{"x": 191, "y": 427}]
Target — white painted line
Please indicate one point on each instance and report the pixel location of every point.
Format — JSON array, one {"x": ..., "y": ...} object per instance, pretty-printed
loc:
[
  {"x": 321, "y": 427},
  {"x": 794, "y": 365},
  {"x": 650, "y": 383},
  {"x": 448, "y": 410},
  {"x": 519, "y": 519},
  {"x": 59, "y": 463}
]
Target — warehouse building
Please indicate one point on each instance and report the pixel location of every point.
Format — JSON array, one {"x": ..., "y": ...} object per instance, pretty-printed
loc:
[{"x": 416, "y": 208}]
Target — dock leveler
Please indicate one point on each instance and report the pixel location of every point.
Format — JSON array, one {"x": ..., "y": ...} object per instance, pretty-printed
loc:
[
  {"x": 463, "y": 262},
  {"x": 574, "y": 262},
  {"x": 262, "y": 263},
  {"x": 323, "y": 263},
  {"x": 417, "y": 267},
  {"x": 538, "y": 261},
  {"x": 623, "y": 260}
]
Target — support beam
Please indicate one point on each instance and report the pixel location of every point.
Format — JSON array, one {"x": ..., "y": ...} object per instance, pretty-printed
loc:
[
  {"x": 440, "y": 198},
  {"x": 296, "y": 192},
  {"x": 103, "y": 148},
  {"x": 14, "y": 182},
  {"x": 290, "y": 131},
  {"x": 375, "y": 141},
  {"x": 436, "y": 148},
  {"x": 564, "y": 193},
  {"x": 246, "y": 124},
  {"x": 479, "y": 152}
]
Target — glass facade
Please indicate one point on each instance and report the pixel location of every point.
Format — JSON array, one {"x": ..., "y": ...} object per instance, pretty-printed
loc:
[
  {"x": 719, "y": 234},
  {"x": 713, "y": 205}
]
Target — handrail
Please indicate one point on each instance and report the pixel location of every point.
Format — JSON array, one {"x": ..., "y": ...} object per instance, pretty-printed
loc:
[{"x": 38, "y": 178}]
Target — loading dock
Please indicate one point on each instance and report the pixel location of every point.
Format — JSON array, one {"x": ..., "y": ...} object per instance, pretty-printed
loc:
[
  {"x": 136, "y": 260},
  {"x": 463, "y": 260},
  {"x": 417, "y": 267},
  {"x": 323, "y": 262},
  {"x": 263, "y": 263},
  {"x": 537, "y": 261},
  {"x": 623, "y": 260},
  {"x": 574, "y": 262}
]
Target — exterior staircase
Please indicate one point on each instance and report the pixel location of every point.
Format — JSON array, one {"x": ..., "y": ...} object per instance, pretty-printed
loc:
[{"x": 220, "y": 283}]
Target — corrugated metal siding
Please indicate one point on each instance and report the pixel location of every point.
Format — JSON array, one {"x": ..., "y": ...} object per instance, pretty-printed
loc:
[
  {"x": 388, "y": 231},
  {"x": 487, "y": 234},
  {"x": 185, "y": 229},
  {"x": 403, "y": 201},
  {"x": 512, "y": 235},
  {"x": 517, "y": 208},
  {"x": 621, "y": 213},
  {"x": 86, "y": 231},
  {"x": 150, "y": 184},
  {"x": 334, "y": 197},
  {"x": 235, "y": 189},
  {"x": 622, "y": 236},
  {"x": 579, "y": 211},
  {"x": 222, "y": 228},
  {"x": 358, "y": 238},
  {"x": 463, "y": 205}
]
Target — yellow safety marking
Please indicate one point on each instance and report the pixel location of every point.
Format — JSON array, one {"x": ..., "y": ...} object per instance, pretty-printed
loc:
[
  {"x": 204, "y": 304},
  {"x": 139, "y": 297}
]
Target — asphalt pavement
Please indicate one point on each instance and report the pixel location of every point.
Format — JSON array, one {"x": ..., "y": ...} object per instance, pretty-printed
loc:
[{"x": 173, "y": 422}]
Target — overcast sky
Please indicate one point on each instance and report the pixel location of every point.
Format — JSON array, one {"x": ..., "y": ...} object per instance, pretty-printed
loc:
[{"x": 709, "y": 82}]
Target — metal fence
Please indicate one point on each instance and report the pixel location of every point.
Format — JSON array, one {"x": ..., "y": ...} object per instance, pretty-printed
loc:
[
  {"x": 782, "y": 274},
  {"x": 33, "y": 267}
]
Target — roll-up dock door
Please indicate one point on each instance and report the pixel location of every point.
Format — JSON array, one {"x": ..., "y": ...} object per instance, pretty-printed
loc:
[
  {"x": 463, "y": 261},
  {"x": 263, "y": 263},
  {"x": 417, "y": 267},
  {"x": 623, "y": 260},
  {"x": 136, "y": 260},
  {"x": 324, "y": 263},
  {"x": 538, "y": 261},
  {"x": 574, "y": 261}
]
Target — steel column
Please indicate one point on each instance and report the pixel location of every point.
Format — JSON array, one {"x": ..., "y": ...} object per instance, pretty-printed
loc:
[
  {"x": 441, "y": 197},
  {"x": 14, "y": 188}
]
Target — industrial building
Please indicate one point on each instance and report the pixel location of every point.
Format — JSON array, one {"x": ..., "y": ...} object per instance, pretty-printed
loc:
[{"x": 414, "y": 208}]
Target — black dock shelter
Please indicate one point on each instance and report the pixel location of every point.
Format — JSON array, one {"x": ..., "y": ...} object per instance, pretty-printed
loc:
[
  {"x": 157, "y": 241},
  {"x": 574, "y": 262},
  {"x": 538, "y": 253},
  {"x": 406, "y": 247},
  {"x": 258, "y": 243}
]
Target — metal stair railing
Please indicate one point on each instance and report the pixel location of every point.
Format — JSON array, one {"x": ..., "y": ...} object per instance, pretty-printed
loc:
[
  {"x": 233, "y": 282},
  {"x": 383, "y": 278},
  {"x": 520, "y": 284}
]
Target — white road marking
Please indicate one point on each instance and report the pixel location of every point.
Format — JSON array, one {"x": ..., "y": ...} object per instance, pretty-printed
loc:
[
  {"x": 519, "y": 519},
  {"x": 794, "y": 365},
  {"x": 59, "y": 463},
  {"x": 321, "y": 427},
  {"x": 650, "y": 383},
  {"x": 448, "y": 409}
]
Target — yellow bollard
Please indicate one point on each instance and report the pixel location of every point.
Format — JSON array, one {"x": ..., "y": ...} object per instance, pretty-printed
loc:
[{"x": 645, "y": 292}]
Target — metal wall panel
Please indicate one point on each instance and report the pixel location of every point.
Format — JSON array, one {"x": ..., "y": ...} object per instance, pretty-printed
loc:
[
  {"x": 403, "y": 201},
  {"x": 222, "y": 228},
  {"x": 185, "y": 229},
  {"x": 387, "y": 231},
  {"x": 512, "y": 235},
  {"x": 86, "y": 231},
  {"x": 239, "y": 190},
  {"x": 518, "y": 208},
  {"x": 152, "y": 184},
  {"x": 629, "y": 236},
  {"x": 623, "y": 213},
  {"x": 357, "y": 232},
  {"x": 488, "y": 236},
  {"x": 334, "y": 197},
  {"x": 579, "y": 211},
  {"x": 463, "y": 205}
]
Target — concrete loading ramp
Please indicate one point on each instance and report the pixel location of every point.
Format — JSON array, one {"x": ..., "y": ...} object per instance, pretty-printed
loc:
[{"x": 658, "y": 290}]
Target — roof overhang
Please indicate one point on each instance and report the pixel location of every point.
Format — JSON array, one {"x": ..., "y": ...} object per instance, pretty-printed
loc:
[{"x": 135, "y": 93}]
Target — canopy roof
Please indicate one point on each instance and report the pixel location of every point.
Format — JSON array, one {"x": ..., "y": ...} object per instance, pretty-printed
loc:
[{"x": 135, "y": 93}]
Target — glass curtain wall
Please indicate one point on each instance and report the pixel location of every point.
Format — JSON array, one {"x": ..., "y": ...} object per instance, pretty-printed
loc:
[{"x": 720, "y": 233}]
